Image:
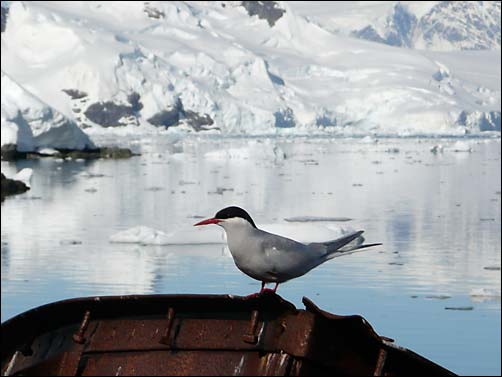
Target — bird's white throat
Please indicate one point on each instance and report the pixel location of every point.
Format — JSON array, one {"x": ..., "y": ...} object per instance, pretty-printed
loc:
[{"x": 239, "y": 234}]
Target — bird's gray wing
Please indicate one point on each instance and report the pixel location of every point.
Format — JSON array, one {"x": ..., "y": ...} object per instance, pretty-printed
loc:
[{"x": 288, "y": 258}]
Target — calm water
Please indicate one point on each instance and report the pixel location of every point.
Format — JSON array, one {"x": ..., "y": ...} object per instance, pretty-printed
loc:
[{"x": 438, "y": 216}]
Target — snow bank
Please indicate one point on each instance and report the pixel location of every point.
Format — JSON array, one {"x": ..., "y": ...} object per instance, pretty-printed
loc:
[
  {"x": 31, "y": 124},
  {"x": 24, "y": 175}
]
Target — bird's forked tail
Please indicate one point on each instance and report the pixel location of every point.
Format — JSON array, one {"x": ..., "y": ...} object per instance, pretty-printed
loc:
[{"x": 345, "y": 245}]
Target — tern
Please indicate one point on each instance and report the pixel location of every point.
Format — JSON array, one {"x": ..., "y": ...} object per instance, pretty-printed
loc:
[{"x": 271, "y": 258}]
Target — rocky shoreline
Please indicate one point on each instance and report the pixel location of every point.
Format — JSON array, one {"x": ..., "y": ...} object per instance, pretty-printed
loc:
[
  {"x": 10, "y": 153},
  {"x": 12, "y": 187}
]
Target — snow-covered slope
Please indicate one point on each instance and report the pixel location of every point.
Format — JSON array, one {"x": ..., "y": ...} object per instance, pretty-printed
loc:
[
  {"x": 433, "y": 25},
  {"x": 236, "y": 68},
  {"x": 31, "y": 125}
]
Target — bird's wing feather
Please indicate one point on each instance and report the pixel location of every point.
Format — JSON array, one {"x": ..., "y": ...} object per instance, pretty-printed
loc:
[
  {"x": 270, "y": 241},
  {"x": 335, "y": 245},
  {"x": 287, "y": 258}
]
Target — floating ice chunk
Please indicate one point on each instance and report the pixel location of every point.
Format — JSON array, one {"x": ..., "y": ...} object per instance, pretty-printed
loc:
[
  {"x": 154, "y": 188},
  {"x": 492, "y": 268},
  {"x": 438, "y": 297},
  {"x": 306, "y": 219},
  {"x": 231, "y": 153},
  {"x": 48, "y": 151},
  {"x": 24, "y": 175},
  {"x": 302, "y": 232},
  {"x": 460, "y": 146},
  {"x": 149, "y": 236},
  {"x": 70, "y": 242},
  {"x": 307, "y": 232},
  {"x": 392, "y": 150},
  {"x": 86, "y": 174},
  {"x": 140, "y": 234},
  {"x": 369, "y": 140},
  {"x": 485, "y": 294},
  {"x": 437, "y": 149},
  {"x": 254, "y": 151},
  {"x": 178, "y": 156}
]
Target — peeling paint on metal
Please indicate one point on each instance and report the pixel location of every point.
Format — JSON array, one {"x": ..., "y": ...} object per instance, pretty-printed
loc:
[
  {"x": 12, "y": 362},
  {"x": 238, "y": 368},
  {"x": 261, "y": 331}
]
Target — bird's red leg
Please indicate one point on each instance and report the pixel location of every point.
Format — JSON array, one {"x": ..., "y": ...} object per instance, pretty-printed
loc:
[
  {"x": 275, "y": 288},
  {"x": 252, "y": 295},
  {"x": 262, "y": 287}
]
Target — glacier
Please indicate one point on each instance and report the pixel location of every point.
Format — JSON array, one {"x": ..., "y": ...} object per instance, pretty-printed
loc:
[
  {"x": 31, "y": 125},
  {"x": 117, "y": 68}
]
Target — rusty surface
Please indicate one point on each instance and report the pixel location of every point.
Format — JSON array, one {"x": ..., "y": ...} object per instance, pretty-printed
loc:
[
  {"x": 78, "y": 337},
  {"x": 382, "y": 356},
  {"x": 169, "y": 325},
  {"x": 251, "y": 337},
  {"x": 199, "y": 335}
]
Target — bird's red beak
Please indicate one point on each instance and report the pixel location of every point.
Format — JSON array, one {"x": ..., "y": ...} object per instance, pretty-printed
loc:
[{"x": 209, "y": 221}]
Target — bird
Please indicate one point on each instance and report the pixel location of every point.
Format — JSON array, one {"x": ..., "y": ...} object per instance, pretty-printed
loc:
[{"x": 271, "y": 258}]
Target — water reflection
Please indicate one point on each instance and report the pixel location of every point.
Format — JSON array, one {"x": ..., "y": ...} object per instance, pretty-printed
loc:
[{"x": 438, "y": 216}]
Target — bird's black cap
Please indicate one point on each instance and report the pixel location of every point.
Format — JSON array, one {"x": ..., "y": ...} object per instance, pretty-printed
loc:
[{"x": 229, "y": 212}]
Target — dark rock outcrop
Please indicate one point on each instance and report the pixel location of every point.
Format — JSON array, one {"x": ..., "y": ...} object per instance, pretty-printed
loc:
[
  {"x": 401, "y": 23},
  {"x": 277, "y": 80},
  {"x": 166, "y": 118},
  {"x": 198, "y": 121},
  {"x": 75, "y": 93},
  {"x": 89, "y": 154},
  {"x": 174, "y": 115},
  {"x": 11, "y": 187},
  {"x": 108, "y": 114},
  {"x": 369, "y": 33},
  {"x": 478, "y": 29},
  {"x": 466, "y": 25},
  {"x": 4, "y": 13},
  {"x": 10, "y": 153},
  {"x": 285, "y": 118},
  {"x": 153, "y": 12},
  {"x": 326, "y": 120},
  {"x": 133, "y": 100},
  {"x": 267, "y": 10},
  {"x": 169, "y": 117}
]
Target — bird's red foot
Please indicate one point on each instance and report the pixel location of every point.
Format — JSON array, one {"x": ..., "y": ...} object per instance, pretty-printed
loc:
[
  {"x": 263, "y": 290},
  {"x": 267, "y": 290}
]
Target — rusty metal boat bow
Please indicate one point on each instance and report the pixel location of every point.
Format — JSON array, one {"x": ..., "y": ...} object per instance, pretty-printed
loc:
[{"x": 198, "y": 335}]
